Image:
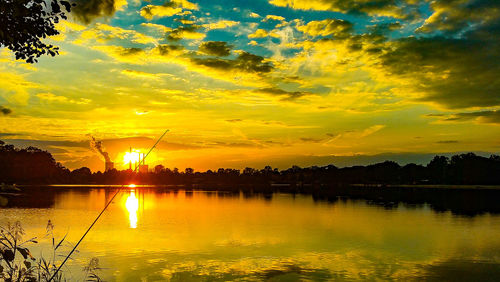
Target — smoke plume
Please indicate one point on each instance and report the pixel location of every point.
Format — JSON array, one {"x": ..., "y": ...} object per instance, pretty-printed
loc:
[{"x": 96, "y": 145}]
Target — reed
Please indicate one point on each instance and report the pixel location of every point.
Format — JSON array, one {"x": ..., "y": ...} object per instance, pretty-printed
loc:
[{"x": 17, "y": 263}]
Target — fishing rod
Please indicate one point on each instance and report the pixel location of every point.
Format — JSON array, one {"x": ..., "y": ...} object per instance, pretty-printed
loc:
[{"x": 105, "y": 207}]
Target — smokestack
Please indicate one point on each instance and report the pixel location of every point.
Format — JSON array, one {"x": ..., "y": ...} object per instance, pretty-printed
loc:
[{"x": 96, "y": 145}]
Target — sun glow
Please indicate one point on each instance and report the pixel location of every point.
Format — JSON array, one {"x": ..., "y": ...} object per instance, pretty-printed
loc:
[
  {"x": 132, "y": 205},
  {"x": 131, "y": 157},
  {"x": 135, "y": 157}
]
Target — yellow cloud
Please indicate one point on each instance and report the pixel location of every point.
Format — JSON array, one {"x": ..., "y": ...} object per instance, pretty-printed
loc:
[
  {"x": 261, "y": 33},
  {"x": 326, "y": 27},
  {"x": 158, "y": 27},
  {"x": 140, "y": 74},
  {"x": 186, "y": 34},
  {"x": 388, "y": 9},
  {"x": 150, "y": 12},
  {"x": 14, "y": 88},
  {"x": 104, "y": 32},
  {"x": 186, "y": 4},
  {"x": 372, "y": 129},
  {"x": 174, "y": 7},
  {"x": 122, "y": 54},
  {"x": 273, "y": 17},
  {"x": 62, "y": 99},
  {"x": 220, "y": 24}
]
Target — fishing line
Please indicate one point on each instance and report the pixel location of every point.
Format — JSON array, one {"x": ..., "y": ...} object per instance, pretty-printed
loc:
[{"x": 105, "y": 207}]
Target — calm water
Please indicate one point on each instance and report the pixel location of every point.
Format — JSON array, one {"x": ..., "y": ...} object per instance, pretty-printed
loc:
[{"x": 201, "y": 236}]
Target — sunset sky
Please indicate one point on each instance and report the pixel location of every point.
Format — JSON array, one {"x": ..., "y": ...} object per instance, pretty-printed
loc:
[{"x": 251, "y": 83}]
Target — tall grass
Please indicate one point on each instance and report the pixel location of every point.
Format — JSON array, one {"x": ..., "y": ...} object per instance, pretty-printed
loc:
[{"x": 18, "y": 264}]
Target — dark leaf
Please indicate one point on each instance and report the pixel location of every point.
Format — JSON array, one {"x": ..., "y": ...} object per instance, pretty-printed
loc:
[
  {"x": 60, "y": 242},
  {"x": 8, "y": 255},
  {"x": 24, "y": 252},
  {"x": 55, "y": 7},
  {"x": 66, "y": 5}
]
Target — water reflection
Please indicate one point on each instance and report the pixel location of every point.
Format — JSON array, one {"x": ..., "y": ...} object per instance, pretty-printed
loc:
[
  {"x": 227, "y": 236},
  {"x": 132, "y": 206}
]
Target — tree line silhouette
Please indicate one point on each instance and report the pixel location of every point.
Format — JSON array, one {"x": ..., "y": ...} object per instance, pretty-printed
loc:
[{"x": 35, "y": 166}]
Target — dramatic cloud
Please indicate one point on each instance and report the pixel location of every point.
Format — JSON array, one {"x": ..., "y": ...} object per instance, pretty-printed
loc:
[
  {"x": 452, "y": 17},
  {"x": 332, "y": 77},
  {"x": 186, "y": 32},
  {"x": 245, "y": 62},
  {"x": 327, "y": 27},
  {"x": 132, "y": 55},
  {"x": 88, "y": 10},
  {"x": 454, "y": 73},
  {"x": 168, "y": 9},
  {"x": 389, "y": 8},
  {"x": 216, "y": 48}
]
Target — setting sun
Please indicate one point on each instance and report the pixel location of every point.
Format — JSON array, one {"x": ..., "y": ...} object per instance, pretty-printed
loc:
[
  {"x": 283, "y": 140},
  {"x": 131, "y": 157}
]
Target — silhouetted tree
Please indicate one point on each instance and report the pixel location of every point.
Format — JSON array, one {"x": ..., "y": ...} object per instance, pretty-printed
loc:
[
  {"x": 438, "y": 169},
  {"x": 24, "y": 23},
  {"x": 159, "y": 168}
]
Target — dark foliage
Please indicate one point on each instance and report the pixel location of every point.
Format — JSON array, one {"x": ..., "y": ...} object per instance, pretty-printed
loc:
[
  {"x": 24, "y": 23},
  {"x": 32, "y": 165},
  {"x": 29, "y": 165}
]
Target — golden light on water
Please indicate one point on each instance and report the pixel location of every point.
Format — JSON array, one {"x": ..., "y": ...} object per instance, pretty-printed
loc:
[{"x": 132, "y": 205}]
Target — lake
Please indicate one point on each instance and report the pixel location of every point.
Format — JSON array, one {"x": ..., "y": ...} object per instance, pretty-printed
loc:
[{"x": 153, "y": 234}]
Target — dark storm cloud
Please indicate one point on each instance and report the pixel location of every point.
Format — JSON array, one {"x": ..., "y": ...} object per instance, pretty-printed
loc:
[
  {"x": 245, "y": 62},
  {"x": 87, "y": 10},
  {"x": 165, "y": 49},
  {"x": 216, "y": 48},
  {"x": 453, "y": 17},
  {"x": 407, "y": 9},
  {"x": 335, "y": 27},
  {"x": 456, "y": 65},
  {"x": 384, "y": 28},
  {"x": 452, "y": 72},
  {"x": 5, "y": 111}
]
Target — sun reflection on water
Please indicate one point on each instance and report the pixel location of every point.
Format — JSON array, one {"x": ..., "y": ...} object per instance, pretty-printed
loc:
[{"x": 132, "y": 205}]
